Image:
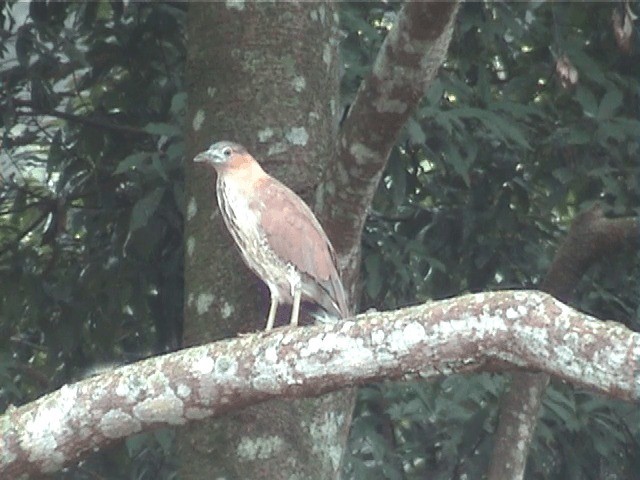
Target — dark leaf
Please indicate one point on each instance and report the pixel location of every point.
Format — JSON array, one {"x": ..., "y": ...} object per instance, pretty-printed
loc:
[
  {"x": 611, "y": 101},
  {"x": 24, "y": 45},
  {"x": 145, "y": 208}
]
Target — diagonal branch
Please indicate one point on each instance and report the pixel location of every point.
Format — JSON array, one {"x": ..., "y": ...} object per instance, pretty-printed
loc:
[
  {"x": 490, "y": 331},
  {"x": 71, "y": 117},
  {"x": 404, "y": 68},
  {"x": 591, "y": 237}
]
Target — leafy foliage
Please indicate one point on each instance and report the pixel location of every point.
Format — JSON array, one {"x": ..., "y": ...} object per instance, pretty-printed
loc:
[
  {"x": 91, "y": 224},
  {"x": 481, "y": 188},
  {"x": 478, "y": 194}
]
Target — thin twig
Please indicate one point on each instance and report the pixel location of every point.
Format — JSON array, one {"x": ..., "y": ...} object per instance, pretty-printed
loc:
[{"x": 92, "y": 122}]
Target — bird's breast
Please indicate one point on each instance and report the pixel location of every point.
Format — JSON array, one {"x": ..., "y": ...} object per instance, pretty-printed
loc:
[
  {"x": 237, "y": 210},
  {"x": 242, "y": 216}
]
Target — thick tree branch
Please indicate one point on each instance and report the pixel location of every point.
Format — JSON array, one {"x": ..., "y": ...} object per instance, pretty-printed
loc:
[
  {"x": 523, "y": 329},
  {"x": 590, "y": 237},
  {"x": 406, "y": 65}
]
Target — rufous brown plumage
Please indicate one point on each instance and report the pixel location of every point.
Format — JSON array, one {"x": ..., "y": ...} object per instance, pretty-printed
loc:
[{"x": 277, "y": 234}]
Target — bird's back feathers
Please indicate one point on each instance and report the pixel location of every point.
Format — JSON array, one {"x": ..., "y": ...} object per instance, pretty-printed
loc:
[{"x": 294, "y": 233}]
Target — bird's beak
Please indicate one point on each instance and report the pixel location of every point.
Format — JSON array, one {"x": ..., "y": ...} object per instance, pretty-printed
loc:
[
  {"x": 202, "y": 157},
  {"x": 214, "y": 158}
]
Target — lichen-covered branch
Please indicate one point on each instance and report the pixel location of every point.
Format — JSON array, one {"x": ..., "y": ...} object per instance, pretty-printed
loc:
[
  {"x": 406, "y": 65},
  {"x": 523, "y": 329}
]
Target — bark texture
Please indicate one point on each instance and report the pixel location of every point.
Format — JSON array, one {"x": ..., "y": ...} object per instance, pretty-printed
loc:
[
  {"x": 264, "y": 75},
  {"x": 487, "y": 331},
  {"x": 591, "y": 237},
  {"x": 405, "y": 67}
]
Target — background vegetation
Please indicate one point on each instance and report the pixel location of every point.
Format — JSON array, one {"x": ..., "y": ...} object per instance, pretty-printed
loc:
[{"x": 534, "y": 118}]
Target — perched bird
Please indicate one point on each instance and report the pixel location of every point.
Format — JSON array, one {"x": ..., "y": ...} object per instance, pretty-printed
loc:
[{"x": 278, "y": 236}]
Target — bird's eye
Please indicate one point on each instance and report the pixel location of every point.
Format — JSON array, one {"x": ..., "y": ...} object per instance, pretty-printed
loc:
[{"x": 226, "y": 152}]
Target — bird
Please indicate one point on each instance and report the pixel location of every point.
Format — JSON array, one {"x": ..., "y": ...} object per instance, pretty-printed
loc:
[{"x": 277, "y": 234}]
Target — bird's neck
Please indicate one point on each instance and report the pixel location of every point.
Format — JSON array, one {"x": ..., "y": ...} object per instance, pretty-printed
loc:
[{"x": 244, "y": 172}]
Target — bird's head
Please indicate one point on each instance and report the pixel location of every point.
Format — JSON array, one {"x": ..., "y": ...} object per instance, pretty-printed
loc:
[{"x": 224, "y": 156}]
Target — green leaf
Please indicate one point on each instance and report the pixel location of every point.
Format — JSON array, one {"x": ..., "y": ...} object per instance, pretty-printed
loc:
[
  {"x": 398, "y": 173},
  {"x": 458, "y": 163},
  {"x": 178, "y": 103},
  {"x": 159, "y": 166},
  {"x": 436, "y": 264},
  {"x": 74, "y": 53},
  {"x": 435, "y": 92},
  {"x": 508, "y": 131},
  {"x": 167, "y": 129},
  {"x": 175, "y": 154},
  {"x": 586, "y": 66},
  {"x": 577, "y": 136},
  {"x": 165, "y": 438},
  {"x": 41, "y": 95},
  {"x": 145, "y": 208},
  {"x": 24, "y": 46},
  {"x": 515, "y": 110},
  {"x": 416, "y": 134},
  {"x": 610, "y": 103},
  {"x": 564, "y": 175},
  {"x": 373, "y": 275},
  {"x": 136, "y": 443},
  {"x": 587, "y": 101},
  {"x": 502, "y": 129},
  {"x": 133, "y": 161},
  {"x": 38, "y": 12},
  {"x": 88, "y": 14}
]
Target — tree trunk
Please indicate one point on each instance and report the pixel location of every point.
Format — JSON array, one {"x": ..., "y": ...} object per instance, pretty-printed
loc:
[{"x": 264, "y": 75}]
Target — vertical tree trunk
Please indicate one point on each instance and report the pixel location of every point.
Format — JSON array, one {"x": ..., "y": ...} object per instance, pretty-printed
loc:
[{"x": 264, "y": 75}]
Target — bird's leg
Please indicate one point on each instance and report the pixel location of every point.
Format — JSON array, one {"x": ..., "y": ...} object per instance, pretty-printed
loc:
[
  {"x": 295, "y": 308},
  {"x": 295, "y": 284},
  {"x": 273, "y": 308}
]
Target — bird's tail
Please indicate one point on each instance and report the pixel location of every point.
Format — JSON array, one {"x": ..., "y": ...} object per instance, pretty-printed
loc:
[
  {"x": 320, "y": 315},
  {"x": 334, "y": 307}
]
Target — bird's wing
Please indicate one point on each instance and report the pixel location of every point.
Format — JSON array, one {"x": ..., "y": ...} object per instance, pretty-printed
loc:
[
  {"x": 293, "y": 231},
  {"x": 294, "y": 234}
]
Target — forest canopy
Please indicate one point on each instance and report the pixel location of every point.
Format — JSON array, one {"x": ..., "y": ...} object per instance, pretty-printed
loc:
[{"x": 532, "y": 120}]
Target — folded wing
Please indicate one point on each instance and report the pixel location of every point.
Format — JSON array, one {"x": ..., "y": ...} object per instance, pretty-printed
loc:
[{"x": 295, "y": 235}]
